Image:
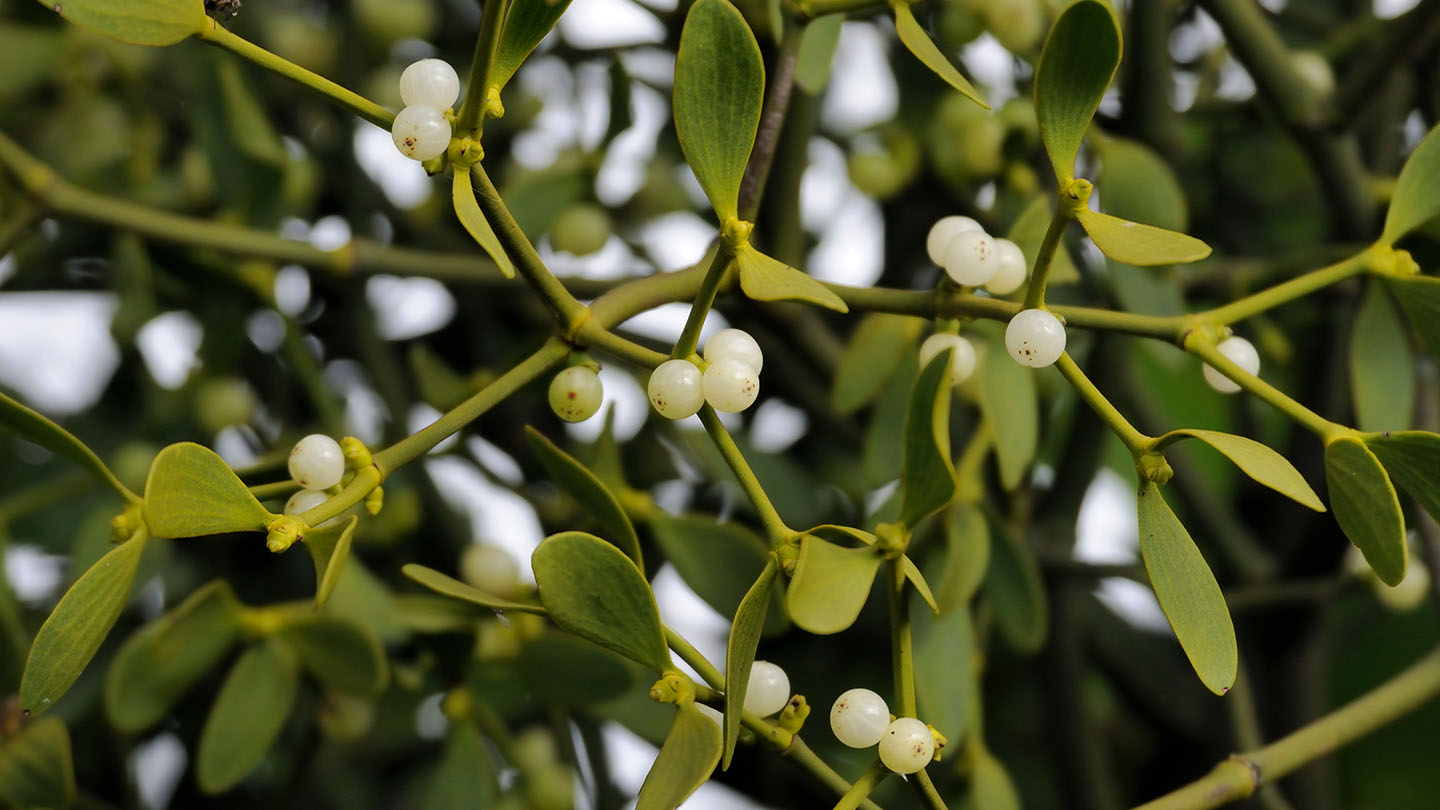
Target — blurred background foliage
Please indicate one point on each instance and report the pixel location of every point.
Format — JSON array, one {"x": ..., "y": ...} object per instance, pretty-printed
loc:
[{"x": 1089, "y": 703}]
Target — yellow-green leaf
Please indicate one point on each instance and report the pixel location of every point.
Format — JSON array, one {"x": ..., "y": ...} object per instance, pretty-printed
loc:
[
  {"x": 467, "y": 209},
  {"x": 686, "y": 760},
  {"x": 1259, "y": 462},
  {"x": 247, "y": 716},
  {"x": 1009, "y": 402},
  {"x": 582, "y": 485},
  {"x": 454, "y": 588},
  {"x": 1028, "y": 232},
  {"x": 967, "y": 556},
  {"x": 740, "y": 649},
  {"x": 766, "y": 279},
  {"x": 1412, "y": 458},
  {"x": 1419, "y": 296},
  {"x": 1366, "y": 507},
  {"x": 1382, "y": 369},
  {"x": 35, "y": 428},
  {"x": 917, "y": 580},
  {"x": 830, "y": 585},
  {"x": 36, "y": 769},
  {"x": 1136, "y": 183},
  {"x": 141, "y": 22},
  {"x": 69, "y": 638},
  {"x": 1076, "y": 67},
  {"x": 928, "y": 477},
  {"x": 991, "y": 787},
  {"x": 870, "y": 359},
  {"x": 718, "y": 560},
  {"x": 919, "y": 43},
  {"x": 340, "y": 653},
  {"x": 1140, "y": 245},
  {"x": 719, "y": 88},
  {"x": 192, "y": 492},
  {"x": 1015, "y": 593},
  {"x": 591, "y": 589},
  {"x": 465, "y": 778},
  {"x": 817, "y": 50},
  {"x": 157, "y": 664},
  {"x": 526, "y": 23},
  {"x": 944, "y": 649},
  {"x": 329, "y": 547},
  {"x": 1417, "y": 191},
  {"x": 1188, "y": 592}
]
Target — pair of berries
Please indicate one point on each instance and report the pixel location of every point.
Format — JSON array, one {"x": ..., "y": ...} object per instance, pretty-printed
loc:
[
  {"x": 316, "y": 463},
  {"x": 428, "y": 88},
  {"x": 730, "y": 382},
  {"x": 860, "y": 718}
]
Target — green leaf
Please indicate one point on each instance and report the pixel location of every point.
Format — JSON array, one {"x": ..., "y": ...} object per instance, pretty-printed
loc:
[
  {"x": 340, "y": 653},
  {"x": 36, "y": 429},
  {"x": 990, "y": 785},
  {"x": 1137, "y": 244},
  {"x": 245, "y": 117},
  {"x": 740, "y": 649},
  {"x": 817, "y": 51},
  {"x": 1259, "y": 462},
  {"x": 1412, "y": 458},
  {"x": 870, "y": 359},
  {"x": 1016, "y": 594},
  {"x": 36, "y": 769},
  {"x": 919, "y": 43},
  {"x": 467, "y": 209},
  {"x": 1076, "y": 67},
  {"x": 917, "y": 580},
  {"x": 1138, "y": 184},
  {"x": 719, "y": 561},
  {"x": 140, "y": 22},
  {"x": 944, "y": 649},
  {"x": 719, "y": 89},
  {"x": 1009, "y": 402},
  {"x": 1419, "y": 296},
  {"x": 967, "y": 556},
  {"x": 69, "y": 638},
  {"x": 157, "y": 664},
  {"x": 1417, "y": 191},
  {"x": 582, "y": 485},
  {"x": 591, "y": 589},
  {"x": 449, "y": 586},
  {"x": 526, "y": 23},
  {"x": 329, "y": 547},
  {"x": 247, "y": 716},
  {"x": 192, "y": 492},
  {"x": 1366, "y": 507},
  {"x": 1382, "y": 370},
  {"x": 1028, "y": 232},
  {"x": 1187, "y": 591},
  {"x": 830, "y": 585},
  {"x": 883, "y": 457},
  {"x": 548, "y": 666},
  {"x": 686, "y": 760},
  {"x": 929, "y": 476},
  {"x": 465, "y": 779},
  {"x": 766, "y": 279}
]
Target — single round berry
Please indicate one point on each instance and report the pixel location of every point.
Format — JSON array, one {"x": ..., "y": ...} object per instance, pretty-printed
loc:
[
  {"x": 1242, "y": 353},
  {"x": 581, "y": 229},
  {"x": 1010, "y": 268},
  {"x": 859, "y": 718},
  {"x": 962, "y": 355},
  {"x": 576, "y": 393},
  {"x": 489, "y": 568},
  {"x": 730, "y": 385},
  {"x": 943, "y": 231},
  {"x": 735, "y": 344},
  {"x": 970, "y": 258},
  {"x": 676, "y": 389},
  {"x": 1411, "y": 591},
  {"x": 907, "y": 745},
  {"x": 1035, "y": 338},
  {"x": 769, "y": 689},
  {"x": 304, "y": 501},
  {"x": 1315, "y": 69},
  {"x": 429, "y": 83},
  {"x": 421, "y": 133},
  {"x": 317, "y": 462}
]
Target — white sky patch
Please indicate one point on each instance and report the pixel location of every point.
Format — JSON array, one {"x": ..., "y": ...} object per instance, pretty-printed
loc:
[
  {"x": 777, "y": 425},
  {"x": 430, "y": 720},
  {"x": 292, "y": 289},
  {"x": 330, "y": 233},
  {"x": 665, "y": 322},
  {"x": 623, "y": 171},
  {"x": 1106, "y": 533},
  {"x": 991, "y": 66},
  {"x": 408, "y": 307},
  {"x": 497, "y": 515},
  {"x": 690, "y": 616},
  {"x": 402, "y": 180},
  {"x": 862, "y": 67},
  {"x": 624, "y": 395},
  {"x": 852, "y": 245},
  {"x": 497, "y": 462},
  {"x": 7, "y": 267},
  {"x": 422, "y": 416},
  {"x": 614, "y": 260},
  {"x": 677, "y": 240},
  {"x": 56, "y": 351},
  {"x": 1191, "y": 40},
  {"x": 1389, "y": 9},
  {"x": 34, "y": 576},
  {"x": 1235, "y": 81},
  {"x": 156, "y": 766},
  {"x": 232, "y": 446},
  {"x": 1133, "y": 602},
  {"x": 610, "y": 24},
  {"x": 824, "y": 185},
  {"x": 169, "y": 344},
  {"x": 266, "y": 329}
]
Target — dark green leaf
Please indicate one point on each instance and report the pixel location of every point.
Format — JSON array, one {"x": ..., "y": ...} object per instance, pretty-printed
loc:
[
  {"x": 1008, "y": 401},
  {"x": 245, "y": 117},
  {"x": 192, "y": 492},
  {"x": 582, "y": 485},
  {"x": 1412, "y": 458},
  {"x": 967, "y": 556},
  {"x": 1136, "y": 183},
  {"x": 719, "y": 88},
  {"x": 719, "y": 561},
  {"x": 465, "y": 779},
  {"x": 830, "y": 585},
  {"x": 1366, "y": 507},
  {"x": 141, "y": 22},
  {"x": 1015, "y": 593},
  {"x": 1140, "y": 245},
  {"x": 526, "y": 23},
  {"x": 944, "y": 650},
  {"x": 247, "y": 716},
  {"x": 467, "y": 209},
  {"x": 340, "y": 653},
  {"x": 35, "y": 766},
  {"x": 1075, "y": 69},
  {"x": 990, "y": 786},
  {"x": 449, "y": 586},
  {"x": 157, "y": 664},
  {"x": 549, "y": 664},
  {"x": 883, "y": 456},
  {"x": 870, "y": 359},
  {"x": 69, "y": 638},
  {"x": 32, "y": 427},
  {"x": 1187, "y": 591},
  {"x": 1417, "y": 192},
  {"x": 1260, "y": 463},
  {"x": 928, "y": 476},
  {"x": 740, "y": 651},
  {"x": 817, "y": 50},
  {"x": 591, "y": 589},
  {"x": 686, "y": 760},
  {"x": 766, "y": 279},
  {"x": 919, "y": 43},
  {"x": 1419, "y": 296},
  {"x": 329, "y": 547},
  {"x": 1382, "y": 371}
]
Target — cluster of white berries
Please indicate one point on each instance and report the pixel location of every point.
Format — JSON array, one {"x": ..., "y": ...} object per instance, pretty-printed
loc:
[
  {"x": 730, "y": 382},
  {"x": 973, "y": 258},
  {"x": 860, "y": 718},
  {"x": 576, "y": 393},
  {"x": 1242, "y": 353},
  {"x": 428, "y": 88},
  {"x": 316, "y": 463}
]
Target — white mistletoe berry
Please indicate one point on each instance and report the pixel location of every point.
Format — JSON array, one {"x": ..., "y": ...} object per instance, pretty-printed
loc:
[
  {"x": 1035, "y": 338},
  {"x": 1010, "y": 268},
  {"x": 576, "y": 393},
  {"x": 429, "y": 83},
  {"x": 317, "y": 462},
  {"x": 675, "y": 389},
  {"x": 768, "y": 690},
  {"x": 943, "y": 231},
  {"x": 304, "y": 501},
  {"x": 1242, "y": 353},
  {"x": 970, "y": 258},
  {"x": 730, "y": 385},
  {"x": 421, "y": 133},
  {"x": 962, "y": 355},
  {"x": 907, "y": 746},
  {"x": 736, "y": 344},
  {"x": 859, "y": 718}
]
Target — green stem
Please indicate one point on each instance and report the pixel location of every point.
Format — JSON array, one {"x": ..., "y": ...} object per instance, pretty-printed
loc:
[
  {"x": 1245, "y": 722},
  {"x": 725, "y": 443},
  {"x": 902, "y": 648},
  {"x": 1137, "y": 442},
  {"x": 1203, "y": 346},
  {"x": 695, "y": 659},
  {"x": 1040, "y": 275},
  {"x": 927, "y": 790},
  {"x": 772, "y": 120},
  {"x": 1238, "y": 777},
  {"x": 44, "y": 495},
  {"x": 276, "y": 489},
  {"x": 216, "y": 34},
  {"x": 873, "y": 776},
  {"x": 704, "y": 299},
  {"x": 470, "y": 121},
  {"x": 801, "y": 754},
  {"x": 1287, "y": 291}
]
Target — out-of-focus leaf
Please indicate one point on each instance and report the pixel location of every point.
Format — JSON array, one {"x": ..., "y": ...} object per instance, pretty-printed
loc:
[
  {"x": 929, "y": 476},
  {"x": 1382, "y": 370},
  {"x": 32, "y": 53},
  {"x": 1009, "y": 402},
  {"x": 1140, "y": 245},
  {"x": 467, "y": 209},
  {"x": 1014, "y": 590},
  {"x": 1188, "y": 593},
  {"x": 526, "y": 23},
  {"x": 1076, "y": 67},
  {"x": 466, "y": 777},
  {"x": 593, "y": 590},
  {"x": 582, "y": 485},
  {"x": 1028, "y": 231},
  {"x": 1136, "y": 183},
  {"x": 686, "y": 760},
  {"x": 917, "y": 42},
  {"x": 740, "y": 651},
  {"x": 882, "y": 455},
  {"x": 140, "y": 22},
  {"x": 342, "y": 654},
  {"x": 449, "y": 586},
  {"x": 1259, "y": 462},
  {"x": 1419, "y": 296},
  {"x": 69, "y": 638},
  {"x": 1412, "y": 457},
  {"x": 247, "y": 716},
  {"x": 830, "y": 585},
  {"x": 1417, "y": 191},
  {"x": 549, "y": 665},
  {"x": 817, "y": 50},
  {"x": 870, "y": 359},
  {"x": 246, "y": 118},
  {"x": 35, "y": 766},
  {"x": 329, "y": 547},
  {"x": 192, "y": 492},
  {"x": 35, "y": 428},
  {"x": 1366, "y": 507},
  {"x": 990, "y": 785},
  {"x": 967, "y": 556},
  {"x": 766, "y": 279},
  {"x": 944, "y": 650},
  {"x": 719, "y": 561}
]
